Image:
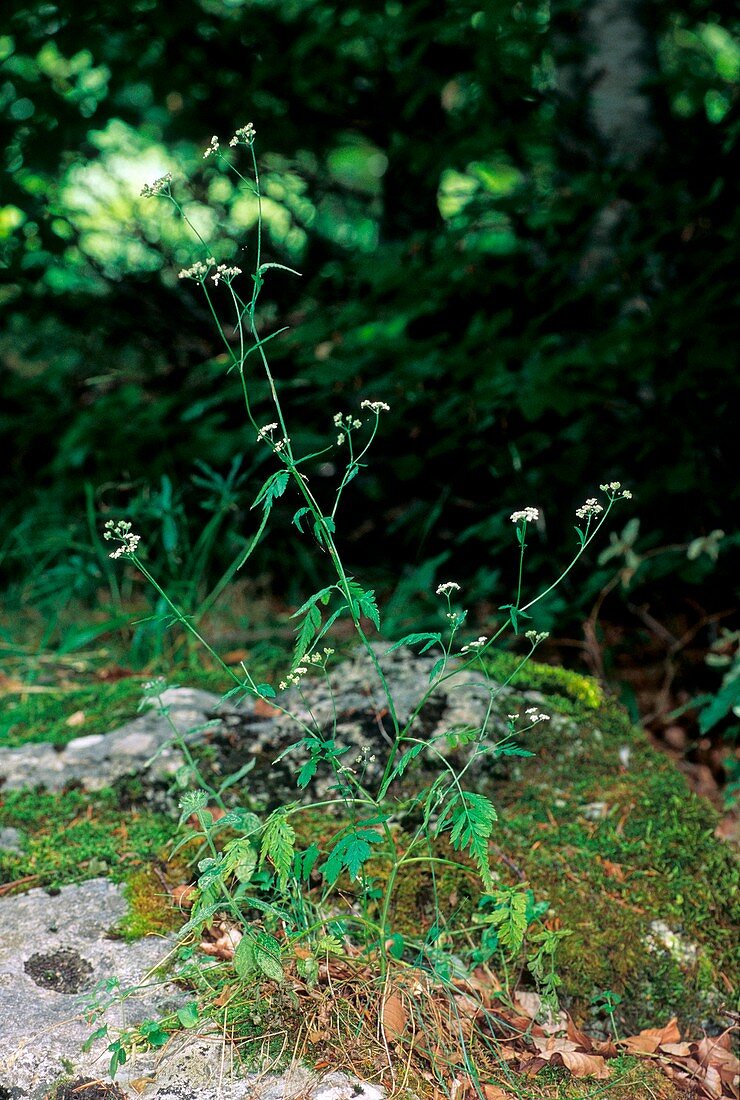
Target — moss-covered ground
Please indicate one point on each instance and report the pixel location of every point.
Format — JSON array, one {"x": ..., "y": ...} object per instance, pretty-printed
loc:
[{"x": 598, "y": 823}]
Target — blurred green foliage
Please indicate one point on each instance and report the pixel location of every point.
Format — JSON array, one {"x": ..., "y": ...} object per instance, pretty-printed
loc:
[{"x": 542, "y": 310}]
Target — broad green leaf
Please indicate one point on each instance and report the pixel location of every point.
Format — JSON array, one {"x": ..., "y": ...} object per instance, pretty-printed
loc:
[
  {"x": 187, "y": 1014},
  {"x": 267, "y": 956},
  {"x": 244, "y": 957}
]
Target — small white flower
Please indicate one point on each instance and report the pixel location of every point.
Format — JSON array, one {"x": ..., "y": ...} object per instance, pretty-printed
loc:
[
  {"x": 590, "y": 508},
  {"x": 245, "y": 134},
  {"x": 225, "y": 273},
  {"x": 476, "y": 645},
  {"x": 213, "y": 147},
  {"x": 356, "y": 423},
  {"x": 338, "y": 419},
  {"x": 375, "y": 406},
  {"x": 198, "y": 270},
  {"x": 535, "y": 636},
  {"x": 266, "y": 430},
  {"x": 447, "y": 587},
  {"x": 512, "y": 717},
  {"x": 160, "y": 186},
  {"x": 528, "y": 515},
  {"x": 122, "y": 533},
  {"x": 614, "y": 488},
  {"x": 340, "y": 439}
]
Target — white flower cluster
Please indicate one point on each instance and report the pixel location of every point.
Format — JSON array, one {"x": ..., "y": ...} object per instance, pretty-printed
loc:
[
  {"x": 473, "y": 646},
  {"x": 198, "y": 270},
  {"x": 268, "y": 429},
  {"x": 225, "y": 273},
  {"x": 535, "y": 637},
  {"x": 590, "y": 508},
  {"x": 282, "y": 444},
  {"x": 213, "y": 147},
  {"x": 527, "y": 515},
  {"x": 160, "y": 186},
  {"x": 154, "y": 687},
  {"x": 294, "y": 678},
  {"x": 615, "y": 488},
  {"x": 346, "y": 422},
  {"x": 447, "y": 587},
  {"x": 244, "y": 134},
  {"x": 375, "y": 406},
  {"x": 122, "y": 533},
  {"x": 534, "y": 715}
]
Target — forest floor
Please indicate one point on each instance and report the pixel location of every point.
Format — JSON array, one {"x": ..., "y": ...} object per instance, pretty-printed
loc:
[{"x": 602, "y": 828}]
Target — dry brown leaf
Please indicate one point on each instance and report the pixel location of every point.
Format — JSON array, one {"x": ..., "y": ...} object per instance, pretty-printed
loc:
[
  {"x": 648, "y": 1041},
  {"x": 76, "y": 719},
  {"x": 678, "y": 1050},
  {"x": 585, "y": 1065},
  {"x": 565, "y": 1051},
  {"x": 714, "y": 1052},
  {"x": 395, "y": 1018},
  {"x": 138, "y": 1084},
  {"x": 712, "y": 1083},
  {"x": 184, "y": 895},
  {"x": 529, "y": 1003},
  {"x": 493, "y": 1092},
  {"x": 577, "y": 1036}
]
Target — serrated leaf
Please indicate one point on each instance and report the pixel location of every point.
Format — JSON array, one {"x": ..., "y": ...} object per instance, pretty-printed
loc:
[
  {"x": 307, "y": 772},
  {"x": 350, "y": 852},
  {"x": 304, "y": 862},
  {"x": 414, "y": 639},
  {"x": 267, "y": 690},
  {"x": 436, "y": 668},
  {"x": 278, "y": 845},
  {"x": 401, "y": 766},
  {"x": 273, "y": 488},
  {"x": 299, "y": 516},
  {"x": 305, "y": 634},
  {"x": 470, "y": 818}
]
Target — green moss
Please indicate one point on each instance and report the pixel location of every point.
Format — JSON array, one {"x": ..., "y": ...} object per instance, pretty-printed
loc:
[
  {"x": 151, "y": 911},
  {"x": 615, "y": 848},
  {"x": 71, "y": 836},
  {"x": 569, "y": 686},
  {"x": 44, "y": 715}
]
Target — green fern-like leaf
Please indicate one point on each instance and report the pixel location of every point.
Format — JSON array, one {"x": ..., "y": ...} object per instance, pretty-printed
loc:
[
  {"x": 470, "y": 818},
  {"x": 278, "y": 845},
  {"x": 510, "y": 919}
]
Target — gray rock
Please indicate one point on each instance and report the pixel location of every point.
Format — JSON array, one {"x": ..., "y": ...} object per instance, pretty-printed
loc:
[
  {"x": 352, "y": 710},
  {"x": 54, "y": 953},
  {"x": 99, "y": 760},
  {"x": 54, "y": 950},
  {"x": 11, "y": 840}
]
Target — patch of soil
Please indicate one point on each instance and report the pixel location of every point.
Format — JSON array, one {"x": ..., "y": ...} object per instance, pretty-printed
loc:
[
  {"x": 85, "y": 1088},
  {"x": 64, "y": 971}
]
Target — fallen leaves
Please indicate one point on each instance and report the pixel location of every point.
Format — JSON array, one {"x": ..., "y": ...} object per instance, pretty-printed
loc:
[
  {"x": 395, "y": 1017},
  {"x": 563, "y": 1052},
  {"x": 708, "y": 1068}
]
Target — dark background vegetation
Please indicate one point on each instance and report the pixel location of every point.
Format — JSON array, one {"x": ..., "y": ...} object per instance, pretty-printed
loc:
[{"x": 515, "y": 225}]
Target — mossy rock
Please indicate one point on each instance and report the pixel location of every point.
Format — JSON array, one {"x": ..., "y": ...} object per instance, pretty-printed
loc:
[{"x": 606, "y": 829}]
